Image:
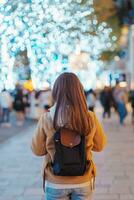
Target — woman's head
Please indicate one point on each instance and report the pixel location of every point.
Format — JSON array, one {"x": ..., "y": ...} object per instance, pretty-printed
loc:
[{"x": 71, "y": 108}]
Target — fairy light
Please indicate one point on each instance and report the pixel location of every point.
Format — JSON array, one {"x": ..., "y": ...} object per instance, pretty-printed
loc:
[{"x": 50, "y": 27}]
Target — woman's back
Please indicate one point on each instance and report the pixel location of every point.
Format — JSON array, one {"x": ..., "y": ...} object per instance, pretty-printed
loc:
[{"x": 69, "y": 111}]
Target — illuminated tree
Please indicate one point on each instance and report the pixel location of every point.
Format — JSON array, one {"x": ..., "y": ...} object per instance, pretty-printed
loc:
[
  {"x": 50, "y": 30},
  {"x": 107, "y": 11}
]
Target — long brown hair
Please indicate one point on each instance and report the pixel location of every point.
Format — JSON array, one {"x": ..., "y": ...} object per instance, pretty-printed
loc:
[{"x": 71, "y": 108}]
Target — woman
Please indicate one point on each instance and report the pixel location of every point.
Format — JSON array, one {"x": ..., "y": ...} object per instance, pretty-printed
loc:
[
  {"x": 19, "y": 107},
  {"x": 70, "y": 112},
  {"x": 106, "y": 101},
  {"x": 34, "y": 106},
  {"x": 120, "y": 97},
  {"x": 91, "y": 100},
  {"x": 6, "y": 107}
]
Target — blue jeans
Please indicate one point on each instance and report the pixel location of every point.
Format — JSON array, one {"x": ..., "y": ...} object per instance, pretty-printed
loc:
[
  {"x": 84, "y": 193},
  {"x": 5, "y": 115},
  {"x": 122, "y": 111}
]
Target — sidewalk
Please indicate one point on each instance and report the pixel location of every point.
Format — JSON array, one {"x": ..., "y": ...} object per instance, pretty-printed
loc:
[
  {"x": 9, "y": 132},
  {"x": 20, "y": 177},
  {"x": 115, "y": 165}
]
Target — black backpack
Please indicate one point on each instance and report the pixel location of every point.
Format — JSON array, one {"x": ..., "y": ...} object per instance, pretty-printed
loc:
[{"x": 70, "y": 153}]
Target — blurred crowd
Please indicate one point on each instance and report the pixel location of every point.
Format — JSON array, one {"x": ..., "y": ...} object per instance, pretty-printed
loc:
[
  {"x": 30, "y": 105},
  {"x": 25, "y": 105},
  {"x": 116, "y": 98}
]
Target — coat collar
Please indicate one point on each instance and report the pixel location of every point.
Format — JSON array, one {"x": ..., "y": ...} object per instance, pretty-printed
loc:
[{"x": 52, "y": 111}]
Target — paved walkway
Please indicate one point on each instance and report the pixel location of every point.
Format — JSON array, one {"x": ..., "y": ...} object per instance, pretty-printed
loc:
[
  {"x": 20, "y": 177},
  {"x": 6, "y": 133},
  {"x": 115, "y": 165}
]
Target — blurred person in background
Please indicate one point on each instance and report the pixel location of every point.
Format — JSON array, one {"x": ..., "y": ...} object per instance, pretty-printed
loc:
[
  {"x": 6, "y": 107},
  {"x": 19, "y": 106},
  {"x": 131, "y": 98},
  {"x": 91, "y": 100},
  {"x": 45, "y": 100},
  {"x": 120, "y": 97},
  {"x": 106, "y": 101},
  {"x": 26, "y": 96},
  {"x": 34, "y": 112}
]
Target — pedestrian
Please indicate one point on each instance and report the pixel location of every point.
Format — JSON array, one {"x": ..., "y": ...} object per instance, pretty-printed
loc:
[
  {"x": 19, "y": 106},
  {"x": 34, "y": 106},
  {"x": 91, "y": 100},
  {"x": 68, "y": 124},
  {"x": 26, "y": 95},
  {"x": 120, "y": 97},
  {"x": 45, "y": 100},
  {"x": 6, "y": 107},
  {"x": 106, "y": 101},
  {"x": 132, "y": 103}
]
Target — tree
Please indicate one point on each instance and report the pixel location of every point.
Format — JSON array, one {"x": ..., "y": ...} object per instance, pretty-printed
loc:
[
  {"x": 50, "y": 30},
  {"x": 107, "y": 11}
]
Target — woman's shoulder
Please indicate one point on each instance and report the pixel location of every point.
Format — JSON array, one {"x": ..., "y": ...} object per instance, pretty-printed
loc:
[
  {"x": 92, "y": 120},
  {"x": 91, "y": 115},
  {"x": 47, "y": 121}
]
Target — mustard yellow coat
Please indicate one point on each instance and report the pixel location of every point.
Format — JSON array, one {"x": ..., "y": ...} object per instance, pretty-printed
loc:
[{"x": 43, "y": 145}]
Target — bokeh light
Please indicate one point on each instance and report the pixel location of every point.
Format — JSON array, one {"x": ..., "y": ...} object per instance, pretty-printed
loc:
[{"x": 50, "y": 30}]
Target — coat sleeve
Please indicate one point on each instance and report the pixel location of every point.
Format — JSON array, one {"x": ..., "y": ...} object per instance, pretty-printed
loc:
[
  {"x": 39, "y": 139},
  {"x": 99, "y": 139}
]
